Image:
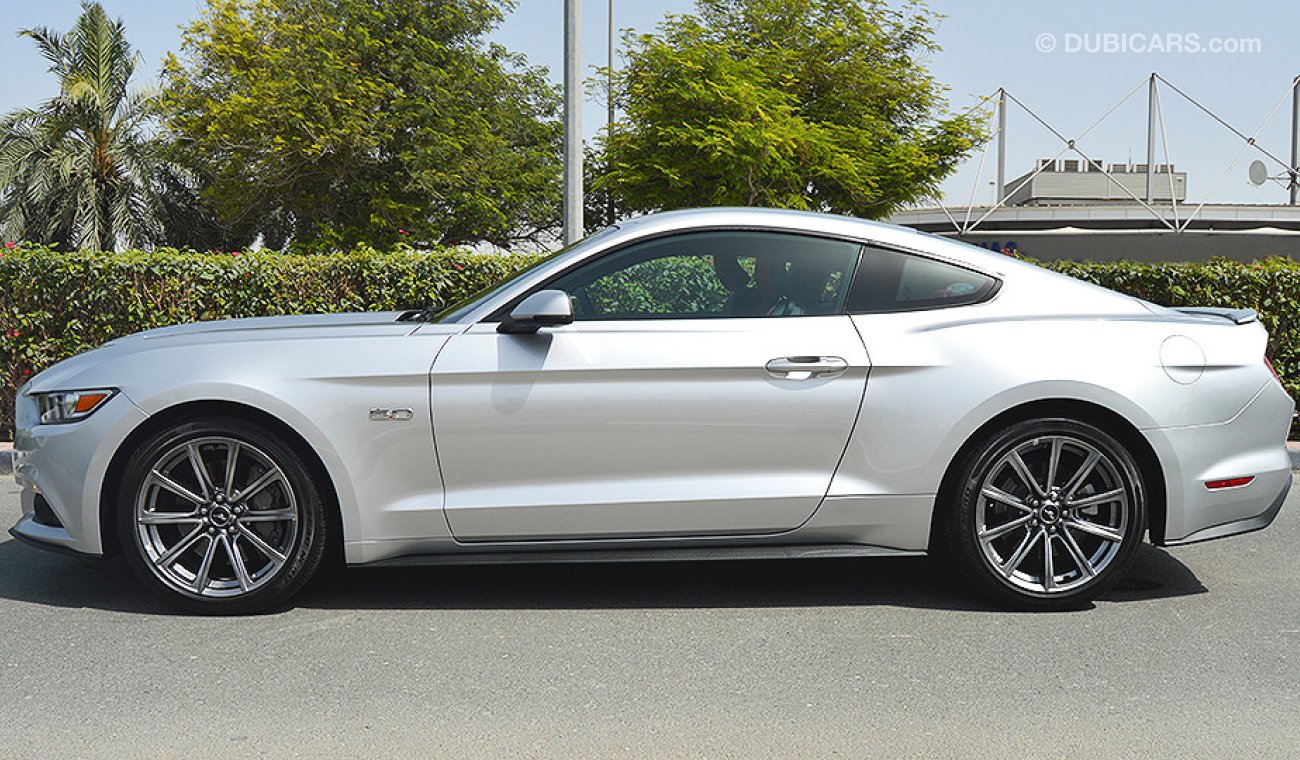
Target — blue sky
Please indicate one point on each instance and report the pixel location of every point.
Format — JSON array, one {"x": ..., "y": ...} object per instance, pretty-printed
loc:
[{"x": 985, "y": 45}]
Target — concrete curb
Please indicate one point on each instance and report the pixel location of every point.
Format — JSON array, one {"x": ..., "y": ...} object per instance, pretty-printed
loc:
[{"x": 7, "y": 456}]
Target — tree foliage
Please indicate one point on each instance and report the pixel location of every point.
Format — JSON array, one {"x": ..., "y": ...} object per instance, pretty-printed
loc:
[
  {"x": 807, "y": 104},
  {"x": 83, "y": 169},
  {"x": 343, "y": 121}
]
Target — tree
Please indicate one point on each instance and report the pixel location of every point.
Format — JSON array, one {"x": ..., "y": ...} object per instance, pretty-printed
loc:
[
  {"x": 808, "y": 104},
  {"x": 355, "y": 120},
  {"x": 83, "y": 170}
]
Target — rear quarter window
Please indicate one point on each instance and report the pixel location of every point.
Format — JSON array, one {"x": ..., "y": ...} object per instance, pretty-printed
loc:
[{"x": 891, "y": 281}]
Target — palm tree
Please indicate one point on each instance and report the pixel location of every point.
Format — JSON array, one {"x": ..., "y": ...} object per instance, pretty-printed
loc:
[{"x": 83, "y": 170}]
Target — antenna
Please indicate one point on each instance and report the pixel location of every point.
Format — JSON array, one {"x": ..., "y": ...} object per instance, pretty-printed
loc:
[{"x": 1258, "y": 173}]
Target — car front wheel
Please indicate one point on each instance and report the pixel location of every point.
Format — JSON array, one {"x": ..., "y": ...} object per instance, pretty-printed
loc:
[
  {"x": 1050, "y": 514},
  {"x": 221, "y": 517}
]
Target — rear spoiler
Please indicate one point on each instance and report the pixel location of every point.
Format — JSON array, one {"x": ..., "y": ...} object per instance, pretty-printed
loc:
[{"x": 1238, "y": 316}]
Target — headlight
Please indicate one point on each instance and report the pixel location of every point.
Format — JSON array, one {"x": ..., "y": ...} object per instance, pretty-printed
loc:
[{"x": 70, "y": 406}]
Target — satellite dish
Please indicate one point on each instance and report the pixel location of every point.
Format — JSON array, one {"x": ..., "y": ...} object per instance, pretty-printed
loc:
[{"x": 1258, "y": 173}]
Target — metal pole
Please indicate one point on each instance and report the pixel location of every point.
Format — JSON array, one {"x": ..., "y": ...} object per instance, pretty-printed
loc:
[
  {"x": 573, "y": 222},
  {"x": 609, "y": 81},
  {"x": 1151, "y": 139},
  {"x": 1002, "y": 145},
  {"x": 609, "y": 96},
  {"x": 1295, "y": 139}
]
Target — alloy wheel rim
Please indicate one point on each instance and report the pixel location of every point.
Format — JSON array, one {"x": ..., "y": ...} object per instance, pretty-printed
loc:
[
  {"x": 216, "y": 517},
  {"x": 1052, "y": 514}
]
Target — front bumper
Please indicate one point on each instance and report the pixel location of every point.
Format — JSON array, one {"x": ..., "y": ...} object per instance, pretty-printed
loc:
[
  {"x": 65, "y": 465},
  {"x": 1253, "y": 443},
  {"x": 52, "y": 540}
]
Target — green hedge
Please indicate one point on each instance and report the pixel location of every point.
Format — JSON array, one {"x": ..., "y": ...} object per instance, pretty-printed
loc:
[
  {"x": 54, "y": 305},
  {"x": 1270, "y": 286}
]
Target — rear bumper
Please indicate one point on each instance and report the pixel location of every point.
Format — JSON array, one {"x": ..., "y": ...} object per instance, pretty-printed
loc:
[
  {"x": 1253, "y": 443},
  {"x": 1237, "y": 527}
]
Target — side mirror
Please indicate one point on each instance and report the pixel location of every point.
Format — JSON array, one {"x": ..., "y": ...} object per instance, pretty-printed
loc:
[{"x": 545, "y": 308}]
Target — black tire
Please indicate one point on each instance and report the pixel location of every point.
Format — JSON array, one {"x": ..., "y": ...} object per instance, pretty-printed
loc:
[
  {"x": 996, "y": 528},
  {"x": 272, "y": 523}
]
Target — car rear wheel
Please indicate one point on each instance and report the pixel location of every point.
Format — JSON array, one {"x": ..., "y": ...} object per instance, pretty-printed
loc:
[
  {"x": 221, "y": 517},
  {"x": 1050, "y": 514}
]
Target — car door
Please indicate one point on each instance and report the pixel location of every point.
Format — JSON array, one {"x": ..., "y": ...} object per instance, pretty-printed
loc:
[{"x": 708, "y": 386}]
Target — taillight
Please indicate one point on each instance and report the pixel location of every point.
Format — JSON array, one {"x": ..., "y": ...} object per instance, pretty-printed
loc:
[{"x": 1269, "y": 364}]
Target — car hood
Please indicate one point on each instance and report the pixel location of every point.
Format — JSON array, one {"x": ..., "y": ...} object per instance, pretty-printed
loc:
[
  {"x": 141, "y": 346},
  {"x": 235, "y": 329}
]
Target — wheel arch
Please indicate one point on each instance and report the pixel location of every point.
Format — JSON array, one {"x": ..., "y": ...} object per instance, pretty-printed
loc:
[
  {"x": 1118, "y": 426},
  {"x": 111, "y": 542}
]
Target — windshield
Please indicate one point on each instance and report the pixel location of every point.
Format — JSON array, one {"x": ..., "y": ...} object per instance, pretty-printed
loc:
[{"x": 457, "y": 311}]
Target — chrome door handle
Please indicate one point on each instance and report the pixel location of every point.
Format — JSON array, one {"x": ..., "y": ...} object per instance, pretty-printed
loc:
[{"x": 806, "y": 367}]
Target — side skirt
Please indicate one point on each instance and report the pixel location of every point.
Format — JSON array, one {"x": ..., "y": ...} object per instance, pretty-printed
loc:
[{"x": 679, "y": 554}]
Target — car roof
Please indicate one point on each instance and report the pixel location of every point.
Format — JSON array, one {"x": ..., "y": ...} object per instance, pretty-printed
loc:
[
  {"x": 891, "y": 235},
  {"x": 807, "y": 221}
]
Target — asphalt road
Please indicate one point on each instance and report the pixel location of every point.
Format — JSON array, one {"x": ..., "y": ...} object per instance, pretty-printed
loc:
[{"x": 1196, "y": 654}]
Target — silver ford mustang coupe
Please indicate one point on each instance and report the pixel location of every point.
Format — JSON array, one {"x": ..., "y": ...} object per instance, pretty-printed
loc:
[{"x": 726, "y": 383}]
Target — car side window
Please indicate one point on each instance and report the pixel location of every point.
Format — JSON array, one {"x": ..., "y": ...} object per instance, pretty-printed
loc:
[
  {"x": 892, "y": 281},
  {"x": 701, "y": 275}
]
